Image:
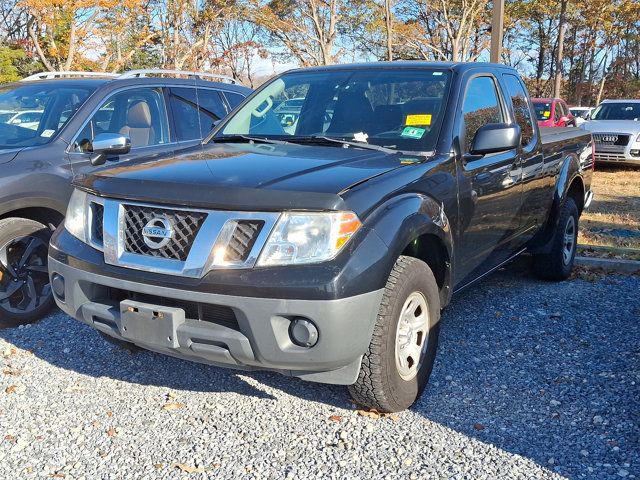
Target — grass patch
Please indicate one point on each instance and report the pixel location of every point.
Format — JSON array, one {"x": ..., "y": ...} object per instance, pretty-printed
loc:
[{"x": 613, "y": 219}]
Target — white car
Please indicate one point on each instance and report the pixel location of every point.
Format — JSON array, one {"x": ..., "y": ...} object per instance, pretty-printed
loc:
[
  {"x": 615, "y": 126},
  {"x": 26, "y": 118},
  {"x": 581, "y": 114}
]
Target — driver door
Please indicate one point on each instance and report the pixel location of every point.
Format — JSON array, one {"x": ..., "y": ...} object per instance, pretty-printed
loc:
[{"x": 490, "y": 185}]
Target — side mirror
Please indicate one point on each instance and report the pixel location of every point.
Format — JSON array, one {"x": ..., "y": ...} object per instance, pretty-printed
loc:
[
  {"x": 105, "y": 144},
  {"x": 111, "y": 143},
  {"x": 495, "y": 137}
]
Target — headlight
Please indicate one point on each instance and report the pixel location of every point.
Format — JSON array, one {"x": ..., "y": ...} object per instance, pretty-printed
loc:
[
  {"x": 76, "y": 220},
  {"x": 304, "y": 237},
  {"x": 638, "y": 139}
]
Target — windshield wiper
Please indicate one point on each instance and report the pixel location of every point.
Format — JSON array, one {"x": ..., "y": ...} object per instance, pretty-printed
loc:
[
  {"x": 246, "y": 139},
  {"x": 324, "y": 140}
]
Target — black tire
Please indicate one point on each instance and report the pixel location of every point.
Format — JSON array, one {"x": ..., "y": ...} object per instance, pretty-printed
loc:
[
  {"x": 557, "y": 263},
  {"x": 380, "y": 385},
  {"x": 24, "y": 275}
]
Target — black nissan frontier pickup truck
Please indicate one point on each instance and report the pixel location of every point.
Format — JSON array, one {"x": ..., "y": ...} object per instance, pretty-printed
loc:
[{"x": 323, "y": 225}]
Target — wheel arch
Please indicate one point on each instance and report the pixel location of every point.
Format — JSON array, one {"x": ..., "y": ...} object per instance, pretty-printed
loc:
[
  {"x": 48, "y": 211},
  {"x": 416, "y": 225},
  {"x": 569, "y": 184}
]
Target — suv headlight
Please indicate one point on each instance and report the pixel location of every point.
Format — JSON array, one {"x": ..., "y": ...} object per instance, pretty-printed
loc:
[
  {"x": 308, "y": 237},
  {"x": 76, "y": 220}
]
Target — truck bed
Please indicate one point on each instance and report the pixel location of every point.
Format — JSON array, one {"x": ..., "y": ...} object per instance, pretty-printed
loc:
[{"x": 550, "y": 135}]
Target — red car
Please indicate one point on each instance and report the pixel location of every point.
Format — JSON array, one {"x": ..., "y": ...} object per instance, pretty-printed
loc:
[{"x": 553, "y": 112}]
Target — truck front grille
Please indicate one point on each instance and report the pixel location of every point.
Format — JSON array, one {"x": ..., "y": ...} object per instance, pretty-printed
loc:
[
  {"x": 610, "y": 157},
  {"x": 184, "y": 224},
  {"x": 241, "y": 242},
  {"x": 611, "y": 139}
]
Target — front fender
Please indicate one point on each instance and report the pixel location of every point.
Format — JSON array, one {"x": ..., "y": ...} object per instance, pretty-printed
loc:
[{"x": 403, "y": 219}]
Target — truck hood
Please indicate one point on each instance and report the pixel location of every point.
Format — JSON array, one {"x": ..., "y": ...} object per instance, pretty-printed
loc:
[
  {"x": 8, "y": 154},
  {"x": 245, "y": 176},
  {"x": 612, "y": 126}
]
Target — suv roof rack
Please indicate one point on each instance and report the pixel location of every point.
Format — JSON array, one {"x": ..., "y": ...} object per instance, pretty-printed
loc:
[
  {"x": 66, "y": 74},
  {"x": 160, "y": 71}
]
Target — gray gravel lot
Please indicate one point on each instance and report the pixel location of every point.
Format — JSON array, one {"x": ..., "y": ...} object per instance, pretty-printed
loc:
[{"x": 532, "y": 380}]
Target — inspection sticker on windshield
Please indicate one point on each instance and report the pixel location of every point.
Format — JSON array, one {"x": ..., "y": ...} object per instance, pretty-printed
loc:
[
  {"x": 422, "y": 119},
  {"x": 413, "y": 132},
  {"x": 47, "y": 133}
]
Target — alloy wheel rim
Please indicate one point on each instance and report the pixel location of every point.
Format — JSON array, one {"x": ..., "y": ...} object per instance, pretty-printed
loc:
[
  {"x": 569, "y": 241},
  {"x": 24, "y": 278},
  {"x": 412, "y": 335}
]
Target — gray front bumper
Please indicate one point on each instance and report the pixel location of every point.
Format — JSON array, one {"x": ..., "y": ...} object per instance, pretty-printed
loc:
[{"x": 261, "y": 340}]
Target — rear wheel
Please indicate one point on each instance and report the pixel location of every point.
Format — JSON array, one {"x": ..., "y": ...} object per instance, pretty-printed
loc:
[
  {"x": 25, "y": 291},
  {"x": 558, "y": 262},
  {"x": 398, "y": 363}
]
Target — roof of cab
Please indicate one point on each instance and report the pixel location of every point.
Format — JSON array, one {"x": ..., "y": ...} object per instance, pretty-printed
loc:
[
  {"x": 625, "y": 100},
  {"x": 458, "y": 66}
]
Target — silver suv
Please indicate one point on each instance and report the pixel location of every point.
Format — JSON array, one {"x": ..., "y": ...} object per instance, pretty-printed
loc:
[
  {"x": 615, "y": 125},
  {"x": 57, "y": 124}
]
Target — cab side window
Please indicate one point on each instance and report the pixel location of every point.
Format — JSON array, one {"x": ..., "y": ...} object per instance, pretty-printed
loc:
[
  {"x": 480, "y": 107},
  {"x": 184, "y": 104},
  {"x": 234, "y": 99},
  {"x": 212, "y": 109},
  {"x": 139, "y": 113},
  {"x": 195, "y": 112},
  {"x": 521, "y": 108}
]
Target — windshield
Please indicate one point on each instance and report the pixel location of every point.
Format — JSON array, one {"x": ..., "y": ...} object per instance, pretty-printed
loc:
[
  {"x": 579, "y": 112},
  {"x": 31, "y": 115},
  {"x": 617, "y": 111},
  {"x": 397, "y": 109},
  {"x": 543, "y": 110}
]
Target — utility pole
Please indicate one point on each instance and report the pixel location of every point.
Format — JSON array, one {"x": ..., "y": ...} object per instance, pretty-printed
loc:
[
  {"x": 562, "y": 27},
  {"x": 497, "y": 25}
]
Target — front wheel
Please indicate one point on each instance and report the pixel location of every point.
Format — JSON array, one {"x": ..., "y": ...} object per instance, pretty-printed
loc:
[
  {"x": 25, "y": 292},
  {"x": 396, "y": 368},
  {"x": 558, "y": 262}
]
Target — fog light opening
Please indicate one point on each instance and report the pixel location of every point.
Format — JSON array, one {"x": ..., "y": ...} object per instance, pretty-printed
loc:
[
  {"x": 303, "y": 332},
  {"x": 57, "y": 286}
]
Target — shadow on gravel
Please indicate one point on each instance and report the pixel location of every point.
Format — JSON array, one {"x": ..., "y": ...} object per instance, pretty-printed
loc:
[
  {"x": 543, "y": 370},
  {"x": 548, "y": 371},
  {"x": 71, "y": 345}
]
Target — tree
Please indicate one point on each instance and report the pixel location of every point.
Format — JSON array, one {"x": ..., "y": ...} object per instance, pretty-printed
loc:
[
  {"x": 236, "y": 46},
  {"x": 60, "y": 28},
  {"x": 453, "y": 30},
  {"x": 8, "y": 58},
  {"x": 308, "y": 29}
]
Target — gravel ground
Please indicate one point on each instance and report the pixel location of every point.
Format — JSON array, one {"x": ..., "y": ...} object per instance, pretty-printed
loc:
[{"x": 532, "y": 380}]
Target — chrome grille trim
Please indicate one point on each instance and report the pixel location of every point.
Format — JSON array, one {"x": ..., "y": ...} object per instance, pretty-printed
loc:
[
  {"x": 218, "y": 229},
  {"x": 186, "y": 225},
  {"x": 611, "y": 139},
  {"x": 610, "y": 157}
]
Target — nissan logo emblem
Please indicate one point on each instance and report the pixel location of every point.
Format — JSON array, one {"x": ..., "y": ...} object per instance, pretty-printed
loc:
[{"x": 157, "y": 233}]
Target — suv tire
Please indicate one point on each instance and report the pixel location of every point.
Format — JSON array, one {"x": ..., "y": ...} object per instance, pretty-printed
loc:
[
  {"x": 396, "y": 367},
  {"x": 558, "y": 262},
  {"x": 25, "y": 291}
]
